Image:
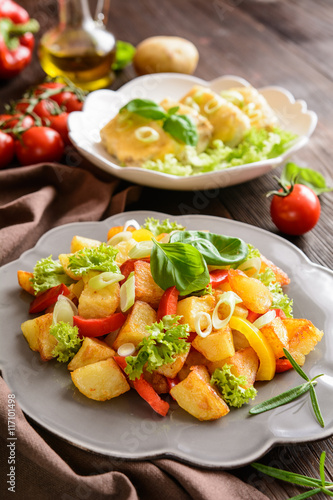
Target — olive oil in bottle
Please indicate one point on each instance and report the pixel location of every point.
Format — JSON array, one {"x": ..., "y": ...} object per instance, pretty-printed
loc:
[{"x": 79, "y": 48}]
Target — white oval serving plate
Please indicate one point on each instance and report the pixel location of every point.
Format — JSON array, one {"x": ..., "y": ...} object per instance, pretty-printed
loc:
[
  {"x": 102, "y": 105},
  {"x": 126, "y": 427}
]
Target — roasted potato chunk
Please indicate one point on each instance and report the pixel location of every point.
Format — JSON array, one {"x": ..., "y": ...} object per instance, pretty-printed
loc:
[
  {"x": 196, "y": 396},
  {"x": 79, "y": 242},
  {"x": 23, "y": 279},
  {"x": 303, "y": 336},
  {"x": 244, "y": 362},
  {"x": 194, "y": 358},
  {"x": 218, "y": 345},
  {"x": 64, "y": 261},
  {"x": 146, "y": 289},
  {"x": 188, "y": 308},
  {"x": 37, "y": 333},
  {"x": 91, "y": 351},
  {"x": 100, "y": 381},
  {"x": 134, "y": 329},
  {"x": 98, "y": 303},
  {"x": 253, "y": 293},
  {"x": 280, "y": 276},
  {"x": 171, "y": 369},
  {"x": 158, "y": 381},
  {"x": 276, "y": 335}
]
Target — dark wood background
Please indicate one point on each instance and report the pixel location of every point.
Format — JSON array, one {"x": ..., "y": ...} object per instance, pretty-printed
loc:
[{"x": 268, "y": 42}]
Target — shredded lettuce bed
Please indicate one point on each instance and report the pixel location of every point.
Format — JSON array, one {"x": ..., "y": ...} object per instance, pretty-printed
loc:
[{"x": 257, "y": 145}]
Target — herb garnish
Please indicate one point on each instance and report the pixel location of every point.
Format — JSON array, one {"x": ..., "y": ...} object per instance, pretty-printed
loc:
[{"x": 294, "y": 393}]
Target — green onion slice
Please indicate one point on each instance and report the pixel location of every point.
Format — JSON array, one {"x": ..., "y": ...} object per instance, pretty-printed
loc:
[
  {"x": 141, "y": 250},
  {"x": 197, "y": 323},
  {"x": 64, "y": 310},
  {"x": 229, "y": 298},
  {"x": 104, "y": 279},
  {"x": 119, "y": 237},
  {"x": 251, "y": 267},
  {"x": 127, "y": 293}
]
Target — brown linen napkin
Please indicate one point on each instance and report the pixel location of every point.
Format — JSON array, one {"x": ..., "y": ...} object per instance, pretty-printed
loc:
[{"x": 32, "y": 200}]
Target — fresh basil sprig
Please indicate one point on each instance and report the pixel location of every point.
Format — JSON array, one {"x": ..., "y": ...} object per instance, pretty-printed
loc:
[
  {"x": 178, "y": 264},
  {"x": 318, "y": 485},
  {"x": 307, "y": 176},
  {"x": 294, "y": 393},
  {"x": 216, "y": 249},
  {"x": 181, "y": 127}
]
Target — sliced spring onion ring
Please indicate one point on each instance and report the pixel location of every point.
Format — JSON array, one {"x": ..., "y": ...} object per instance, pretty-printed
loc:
[
  {"x": 141, "y": 250},
  {"x": 104, "y": 279},
  {"x": 117, "y": 238},
  {"x": 127, "y": 293},
  {"x": 64, "y": 310},
  {"x": 146, "y": 134},
  {"x": 126, "y": 349},
  {"x": 251, "y": 267},
  {"x": 197, "y": 324},
  {"x": 189, "y": 101},
  {"x": 212, "y": 105},
  {"x": 131, "y": 222},
  {"x": 265, "y": 319},
  {"x": 233, "y": 96},
  {"x": 229, "y": 298}
]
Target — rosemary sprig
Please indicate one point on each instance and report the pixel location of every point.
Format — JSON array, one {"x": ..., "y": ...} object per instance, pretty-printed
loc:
[
  {"x": 294, "y": 393},
  {"x": 318, "y": 485}
]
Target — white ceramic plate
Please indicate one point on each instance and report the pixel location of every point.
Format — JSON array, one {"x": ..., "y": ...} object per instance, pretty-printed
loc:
[
  {"x": 102, "y": 105},
  {"x": 126, "y": 427}
]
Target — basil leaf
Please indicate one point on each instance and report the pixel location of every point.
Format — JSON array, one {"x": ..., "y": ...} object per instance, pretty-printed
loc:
[
  {"x": 124, "y": 54},
  {"x": 146, "y": 108},
  {"x": 306, "y": 176},
  {"x": 216, "y": 249},
  {"x": 183, "y": 128},
  {"x": 173, "y": 110},
  {"x": 180, "y": 265}
]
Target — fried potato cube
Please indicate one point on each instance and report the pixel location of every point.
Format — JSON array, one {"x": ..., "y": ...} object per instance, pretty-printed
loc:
[
  {"x": 303, "y": 336},
  {"x": 98, "y": 303},
  {"x": 280, "y": 275},
  {"x": 240, "y": 341},
  {"x": 23, "y": 278},
  {"x": 134, "y": 329},
  {"x": 123, "y": 248},
  {"x": 79, "y": 242},
  {"x": 171, "y": 369},
  {"x": 276, "y": 335},
  {"x": 145, "y": 287},
  {"x": 244, "y": 362},
  {"x": 76, "y": 289},
  {"x": 64, "y": 261},
  {"x": 194, "y": 358},
  {"x": 158, "y": 381},
  {"x": 100, "y": 381},
  {"x": 91, "y": 351},
  {"x": 218, "y": 345},
  {"x": 253, "y": 293},
  {"x": 188, "y": 308},
  {"x": 37, "y": 333},
  {"x": 196, "y": 396}
]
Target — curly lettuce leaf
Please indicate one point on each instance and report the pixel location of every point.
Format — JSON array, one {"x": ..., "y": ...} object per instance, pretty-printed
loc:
[
  {"x": 47, "y": 274},
  {"x": 68, "y": 339},
  {"x": 166, "y": 339},
  {"x": 280, "y": 299},
  {"x": 158, "y": 227},
  {"x": 231, "y": 387},
  {"x": 101, "y": 258}
]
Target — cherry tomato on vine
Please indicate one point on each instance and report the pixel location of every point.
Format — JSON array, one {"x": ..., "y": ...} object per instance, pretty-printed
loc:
[
  {"x": 7, "y": 149},
  {"x": 59, "y": 123},
  {"x": 39, "y": 144},
  {"x": 295, "y": 213},
  {"x": 67, "y": 99},
  {"x": 10, "y": 121}
]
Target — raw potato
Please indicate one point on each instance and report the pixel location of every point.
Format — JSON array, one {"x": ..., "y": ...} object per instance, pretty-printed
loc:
[
  {"x": 196, "y": 396},
  {"x": 100, "y": 381},
  {"x": 165, "y": 54},
  {"x": 134, "y": 329},
  {"x": 91, "y": 351}
]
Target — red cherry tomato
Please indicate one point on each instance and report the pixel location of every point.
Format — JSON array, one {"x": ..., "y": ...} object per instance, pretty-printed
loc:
[
  {"x": 39, "y": 144},
  {"x": 67, "y": 99},
  {"x": 44, "y": 109},
  {"x": 296, "y": 213},
  {"x": 59, "y": 123},
  {"x": 10, "y": 121},
  {"x": 7, "y": 149},
  {"x": 73, "y": 104}
]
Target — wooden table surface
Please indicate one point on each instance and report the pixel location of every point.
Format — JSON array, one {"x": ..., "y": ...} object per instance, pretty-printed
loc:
[{"x": 268, "y": 42}]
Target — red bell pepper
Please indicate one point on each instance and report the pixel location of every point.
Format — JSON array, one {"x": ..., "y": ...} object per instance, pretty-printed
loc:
[
  {"x": 100, "y": 326},
  {"x": 252, "y": 316},
  {"x": 168, "y": 303},
  {"x": 172, "y": 382},
  {"x": 145, "y": 390},
  {"x": 126, "y": 269},
  {"x": 217, "y": 277},
  {"x": 16, "y": 38},
  {"x": 191, "y": 337},
  {"x": 48, "y": 298},
  {"x": 280, "y": 314},
  {"x": 283, "y": 365}
]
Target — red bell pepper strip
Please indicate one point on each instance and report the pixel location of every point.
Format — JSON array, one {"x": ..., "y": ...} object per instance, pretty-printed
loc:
[
  {"x": 13, "y": 11},
  {"x": 217, "y": 277},
  {"x": 282, "y": 365},
  {"x": 16, "y": 44},
  {"x": 172, "y": 382},
  {"x": 280, "y": 313},
  {"x": 48, "y": 298},
  {"x": 100, "y": 326},
  {"x": 191, "y": 337},
  {"x": 168, "y": 303},
  {"x": 126, "y": 269},
  {"x": 252, "y": 316},
  {"x": 145, "y": 390}
]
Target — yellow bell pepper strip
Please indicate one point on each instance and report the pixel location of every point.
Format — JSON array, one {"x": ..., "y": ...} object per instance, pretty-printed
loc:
[
  {"x": 259, "y": 343},
  {"x": 142, "y": 235}
]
